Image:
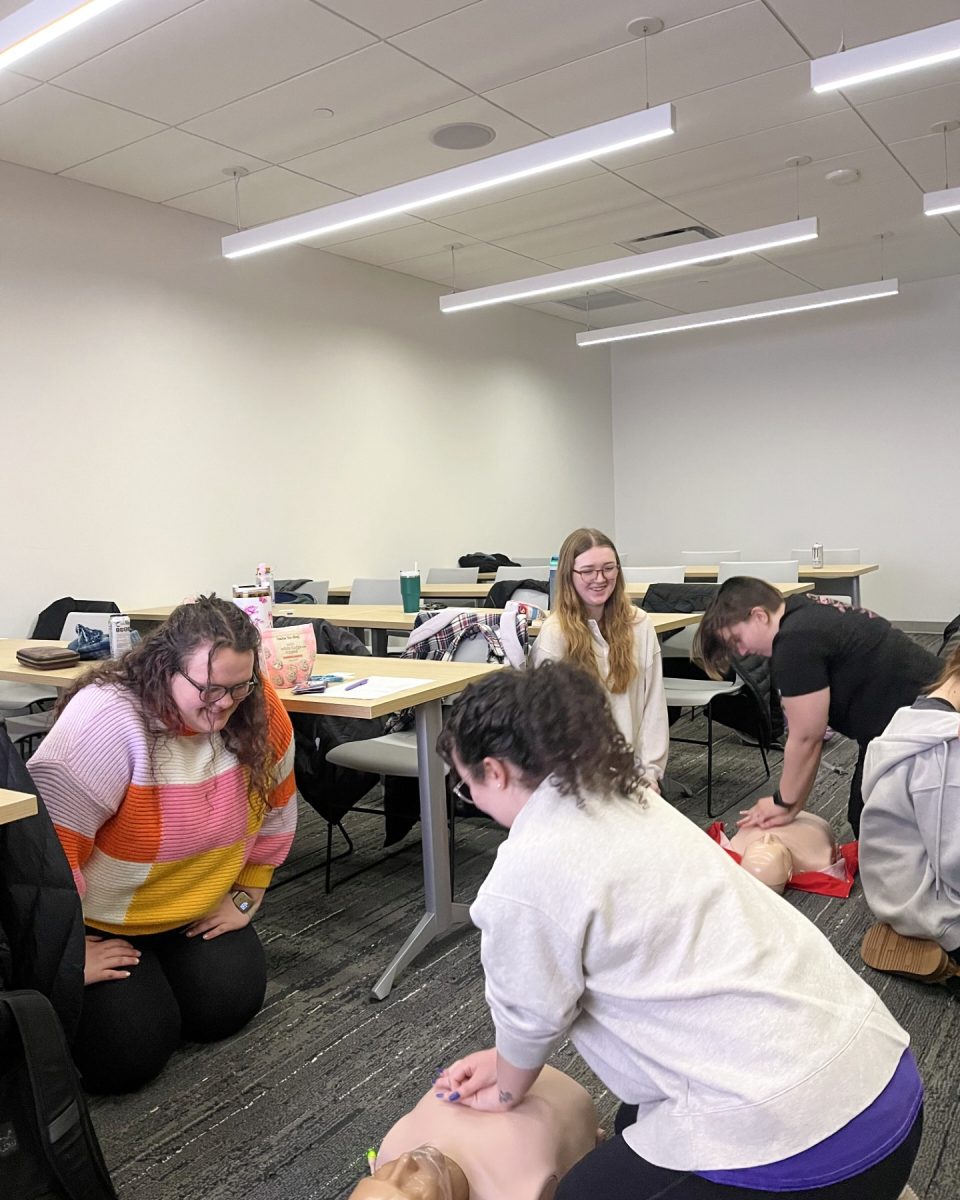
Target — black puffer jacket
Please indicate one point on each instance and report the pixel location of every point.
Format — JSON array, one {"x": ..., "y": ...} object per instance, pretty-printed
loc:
[{"x": 41, "y": 920}]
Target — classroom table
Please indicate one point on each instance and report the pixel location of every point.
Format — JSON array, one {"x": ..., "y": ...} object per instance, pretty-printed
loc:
[
  {"x": 15, "y": 805},
  {"x": 834, "y": 577},
  {"x": 460, "y": 592},
  {"x": 380, "y": 619},
  {"x": 61, "y": 677}
]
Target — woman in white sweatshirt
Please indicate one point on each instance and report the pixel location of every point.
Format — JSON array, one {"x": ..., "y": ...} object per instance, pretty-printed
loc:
[
  {"x": 595, "y": 625},
  {"x": 910, "y": 830},
  {"x": 750, "y": 1059}
]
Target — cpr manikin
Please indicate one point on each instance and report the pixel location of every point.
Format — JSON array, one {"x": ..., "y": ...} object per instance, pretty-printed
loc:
[
  {"x": 443, "y": 1151},
  {"x": 806, "y": 844}
]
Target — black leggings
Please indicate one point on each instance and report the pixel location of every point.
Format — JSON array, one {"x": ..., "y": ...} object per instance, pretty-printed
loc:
[
  {"x": 615, "y": 1172},
  {"x": 181, "y": 988}
]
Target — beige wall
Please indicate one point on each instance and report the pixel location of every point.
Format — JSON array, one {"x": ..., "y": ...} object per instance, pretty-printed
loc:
[{"x": 171, "y": 418}]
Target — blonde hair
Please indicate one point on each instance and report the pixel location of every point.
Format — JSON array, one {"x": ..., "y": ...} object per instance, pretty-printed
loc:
[{"x": 616, "y": 624}]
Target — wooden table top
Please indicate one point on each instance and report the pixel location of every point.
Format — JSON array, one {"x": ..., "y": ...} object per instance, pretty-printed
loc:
[
  {"x": 478, "y": 591},
  {"x": 806, "y": 571},
  {"x": 10, "y": 669},
  {"x": 14, "y": 805}
]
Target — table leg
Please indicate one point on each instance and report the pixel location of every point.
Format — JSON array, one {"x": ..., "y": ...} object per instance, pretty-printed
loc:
[
  {"x": 441, "y": 913},
  {"x": 378, "y": 642},
  {"x": 855, "y": 590}
]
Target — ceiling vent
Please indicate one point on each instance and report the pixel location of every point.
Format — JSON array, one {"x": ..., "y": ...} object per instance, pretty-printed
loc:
[
  {"x": 598, "y": 300},
  {"x": 687, "y": 236}
]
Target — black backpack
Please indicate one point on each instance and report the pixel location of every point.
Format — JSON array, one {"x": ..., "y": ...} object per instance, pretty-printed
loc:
[
  {"x": 48, "y": 1147},
  {"x": 484, "y": 562},
  {"x": 951, "y": 639}
]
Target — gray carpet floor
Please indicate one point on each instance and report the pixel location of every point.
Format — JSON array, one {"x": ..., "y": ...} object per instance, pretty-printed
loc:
[{"x": 287, "y": 1109}]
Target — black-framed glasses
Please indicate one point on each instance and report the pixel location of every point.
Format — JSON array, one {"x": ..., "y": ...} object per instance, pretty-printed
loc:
[
  {"x": 461, "y": 789},
  {"x": 608, "y": 571},
  {"x": 211, "y": 693}
]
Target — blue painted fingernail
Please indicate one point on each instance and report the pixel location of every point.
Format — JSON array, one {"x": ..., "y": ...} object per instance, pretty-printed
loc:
[
  {"x": 439, "y": 1095},
  {"x": 454, "y": 1096}
]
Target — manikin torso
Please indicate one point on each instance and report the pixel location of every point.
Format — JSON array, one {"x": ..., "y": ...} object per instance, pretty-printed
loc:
[
  {"x": 518, "y": 1155},
  {"x": 806, "y": 844}
]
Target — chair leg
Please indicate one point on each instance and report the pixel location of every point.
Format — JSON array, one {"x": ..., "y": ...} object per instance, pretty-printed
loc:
[
  {"x": 452, "y": 836},
  {"x": 331, "y": 857},
  {"x": 746, "y": 792}
]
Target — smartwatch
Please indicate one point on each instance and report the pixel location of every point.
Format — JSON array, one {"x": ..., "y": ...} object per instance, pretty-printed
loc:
[
  {"x": 777, "y": 799},
  {"x": 243, "y": 901}
]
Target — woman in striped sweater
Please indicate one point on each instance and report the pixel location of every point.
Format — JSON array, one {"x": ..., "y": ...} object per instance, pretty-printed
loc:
[{"x": 169, "y": 778}]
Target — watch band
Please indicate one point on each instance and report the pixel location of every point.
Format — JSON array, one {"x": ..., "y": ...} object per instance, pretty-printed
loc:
[{"x": 779, "y": 800}]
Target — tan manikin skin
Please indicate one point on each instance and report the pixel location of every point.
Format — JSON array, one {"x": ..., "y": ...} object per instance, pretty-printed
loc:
[
  {"x": 518, "y": 1155},
  {"x": 806, "y": 844}
]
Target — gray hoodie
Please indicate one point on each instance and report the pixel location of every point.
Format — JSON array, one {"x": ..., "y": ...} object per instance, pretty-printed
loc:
[{"x": 910, "y": 829}]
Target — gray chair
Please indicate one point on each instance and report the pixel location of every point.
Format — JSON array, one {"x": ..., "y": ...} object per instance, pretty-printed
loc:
[
  {"x": 375, "y": 591},
  {"x": 526, "y": 560},
  {"x": 531, "y": 572},
  {"x": 700, "y": 558},
  {"x": 452, "y": 574},
  {"x": 316, "y": 589},
  {"x": 652, "y": 574},
  {"x": 774, "y": 571}
]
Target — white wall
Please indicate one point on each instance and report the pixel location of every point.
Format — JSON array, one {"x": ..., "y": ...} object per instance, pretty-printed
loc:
[
  {"x": 170, "y": 418},
  {"x": 841, "y": 427}
]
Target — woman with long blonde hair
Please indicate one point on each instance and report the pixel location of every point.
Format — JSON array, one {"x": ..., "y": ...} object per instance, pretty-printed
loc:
[{"x": 595, "y": 625}]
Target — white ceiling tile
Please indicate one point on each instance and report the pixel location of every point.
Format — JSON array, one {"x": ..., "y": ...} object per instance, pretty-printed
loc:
[
  {"x": 50, "y": 129},
  {"x": 819, "y": 24},
  {"x": 916, "y": 248},
  {"x": 109, "y": 29},
  {"x": 640, "y": 218},
  {"x": 387, "y": 17},
  {"x": 264, "y": 196},
  {"x": 909, "y": 116},
  {"x": 477, "y": 265},
  {"x": 758, "y": 153},
  {"x": 12, "y": 85},
  {"x": 404, "y": 151},
  {"x": 625, "y": 314},
  {"x": 160, "y": 167},
  {"x": 698, "y": 288},
  {"x": 883, "y": 194},
  {"x": 567, "y": 202},
  {"x": 923, "y": 158},
  {"x": 497, "y": 41},
  {"x": 282, "y": 122},
  {"x": 212, "y": 54},
  {"x": 412, "y": 241}
]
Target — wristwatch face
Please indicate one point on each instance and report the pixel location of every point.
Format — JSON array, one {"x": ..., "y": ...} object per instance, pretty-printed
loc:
[{"x": 243, "y": 901}]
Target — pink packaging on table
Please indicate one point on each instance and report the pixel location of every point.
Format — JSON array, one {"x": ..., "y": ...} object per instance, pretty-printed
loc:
[
  {"x": 287, "y": 654},
  {"x": 254, "y": 600}
]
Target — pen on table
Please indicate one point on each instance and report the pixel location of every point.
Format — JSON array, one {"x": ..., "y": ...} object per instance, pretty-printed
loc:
[{"x": 359, "y": 683}]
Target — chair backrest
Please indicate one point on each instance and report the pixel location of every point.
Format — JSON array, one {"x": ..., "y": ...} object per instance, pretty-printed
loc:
[
  {"x": 452, "y": 574},
  {"x": 652, "y": 574},
  {"x": 707, "y": 557},
  {"x": 92, "y": 620},
  {"x": 527, "y": 560},
  {"x": 829, "y": 556},
  {"x": 529, "y": 596},
  {"x": 375, "y": 591},
  {"x": 780, "y": 571},
  {"x": 316, "y": 589},
  {"x": 522, "y": 572}
]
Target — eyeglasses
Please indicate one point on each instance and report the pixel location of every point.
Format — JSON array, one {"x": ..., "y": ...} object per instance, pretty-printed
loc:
[
  {"x": 211, "y": 693},
  {"x": 461, "y": 789},
  {"x": 608, "y": 571}
]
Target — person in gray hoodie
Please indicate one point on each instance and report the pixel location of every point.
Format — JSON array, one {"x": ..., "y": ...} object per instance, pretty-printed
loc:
[{"x": 910, "y": 829}]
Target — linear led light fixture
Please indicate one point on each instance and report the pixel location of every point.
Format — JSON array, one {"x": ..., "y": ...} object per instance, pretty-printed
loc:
[
  {"x": 908, "y": 52},
  {"x": 742, "y": 312},
  {"x": 577, "y": 278},
  {"x": 937, "y": 203},
  {"x": 535, "y": 159},
  {"x": 43, "y": 21}
]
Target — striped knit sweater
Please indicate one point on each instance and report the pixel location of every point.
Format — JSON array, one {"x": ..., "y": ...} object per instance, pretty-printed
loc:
[{"x": 156, "y": 846}]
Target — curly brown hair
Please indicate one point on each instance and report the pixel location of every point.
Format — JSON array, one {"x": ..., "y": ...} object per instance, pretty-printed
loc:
[
  {"x": 147, "y": 669},
  {"x": 619, "y": 614},
  {"x": 551, "y": 720}
]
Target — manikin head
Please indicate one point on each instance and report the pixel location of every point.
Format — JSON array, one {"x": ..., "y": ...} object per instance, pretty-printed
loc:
[
  {"x": 421, "y": 1174},
  {"x": 770, "y": 861}
]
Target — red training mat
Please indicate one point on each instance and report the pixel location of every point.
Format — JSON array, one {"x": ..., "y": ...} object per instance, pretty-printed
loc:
[{"x": 834, "y": 881}]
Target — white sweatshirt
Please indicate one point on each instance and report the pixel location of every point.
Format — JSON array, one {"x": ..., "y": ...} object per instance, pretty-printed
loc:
[
  {"x": 910, "y": 828},
  {"x": 688, "y": 987},
  {"x": 641, "y": 711}
]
